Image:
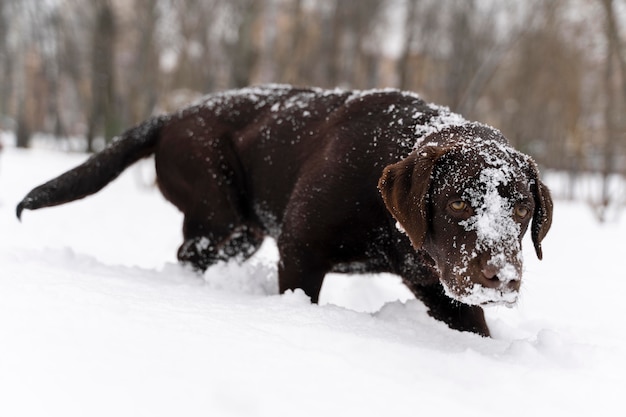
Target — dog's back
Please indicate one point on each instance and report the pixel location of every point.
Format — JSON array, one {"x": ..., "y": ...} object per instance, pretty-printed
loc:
[{"x": 275, "y": 144}]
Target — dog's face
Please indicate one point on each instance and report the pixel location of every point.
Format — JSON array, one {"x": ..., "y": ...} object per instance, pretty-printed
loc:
[{"x": 468, "y": 204}]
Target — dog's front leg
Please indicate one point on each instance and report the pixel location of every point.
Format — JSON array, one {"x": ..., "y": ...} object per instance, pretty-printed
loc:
[
  {"x": 303, "y": 269},
  {"x": 455, "y": 314}
]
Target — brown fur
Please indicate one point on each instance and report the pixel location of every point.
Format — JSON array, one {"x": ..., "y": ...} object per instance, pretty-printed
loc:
[{"x": 305, "y": 167}]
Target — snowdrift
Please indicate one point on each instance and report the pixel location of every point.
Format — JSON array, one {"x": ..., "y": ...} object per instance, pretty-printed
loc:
[{"x": 96, "y": 318}]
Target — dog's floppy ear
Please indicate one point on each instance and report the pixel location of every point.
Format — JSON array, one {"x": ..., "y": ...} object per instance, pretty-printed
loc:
[
  {"x": 404, "y": 188},
  {"x": 542, "y": 217}
]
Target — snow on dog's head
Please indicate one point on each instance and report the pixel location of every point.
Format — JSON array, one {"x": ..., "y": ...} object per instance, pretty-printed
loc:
[{"x": 467, "y": 198}]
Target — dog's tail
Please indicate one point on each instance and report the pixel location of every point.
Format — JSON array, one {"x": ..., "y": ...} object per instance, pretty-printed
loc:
[{"x": 99, "y": 170}]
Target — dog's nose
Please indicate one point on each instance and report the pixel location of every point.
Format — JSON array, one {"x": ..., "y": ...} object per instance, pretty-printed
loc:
[
  {"x": 490, "y": 271},
  {"x": 495, "y": 277},
  {"x": 490, "y": 276}
]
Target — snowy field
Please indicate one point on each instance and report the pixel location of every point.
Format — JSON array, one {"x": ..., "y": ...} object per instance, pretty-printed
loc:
[{"x": 97, "y": 319}]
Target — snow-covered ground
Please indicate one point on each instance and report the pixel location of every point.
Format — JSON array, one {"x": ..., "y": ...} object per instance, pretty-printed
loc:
[{"x": 97, "y": 319}]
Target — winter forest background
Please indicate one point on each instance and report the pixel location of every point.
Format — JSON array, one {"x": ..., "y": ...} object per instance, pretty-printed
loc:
[{"x": 551, "y": 74}]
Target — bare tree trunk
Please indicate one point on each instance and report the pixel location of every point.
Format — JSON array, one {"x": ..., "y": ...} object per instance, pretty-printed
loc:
[
  {"x": 610, "y": 127},
  {"x": 22, "y": 129},
  {"x": 245, "y": 55},
  {"x": 142, "y": 94},
  {"x": 102, "y": 77},
  {"x": 614, "y": 40},
  {"x": 289, "y": 68},
  {"x": 410, "y": 32},
  {"x": 612, "y": 112},
  {"x": 364, "y": 14},
  {"x": 5, "y": 61},
  {"x": 464, "y": 51}
]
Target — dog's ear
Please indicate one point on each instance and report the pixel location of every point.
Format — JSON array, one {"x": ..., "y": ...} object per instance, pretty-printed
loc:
[
  {"x": 404, "y": 187},
  {"x": 542, "y": 217}
]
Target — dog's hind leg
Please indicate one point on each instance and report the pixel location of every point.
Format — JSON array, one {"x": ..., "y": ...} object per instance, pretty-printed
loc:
[
  {"x": 205, "y": 180},
  {"x": 203, "y": 246},
  {"x": 218, "y": 227}
]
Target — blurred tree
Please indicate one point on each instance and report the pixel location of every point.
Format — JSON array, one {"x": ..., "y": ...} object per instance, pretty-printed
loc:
[
  {"x": 418, "y": 21},
  {"x": 244, "y": 51},
  {"x": 103, "y": 107},
  {"x": 297, "y": 40},
  {"x": 614, "y": 109},
  {"x": 141, "y": 69},
  {"x": 358, "y": 61},
  {"x": 5, "y": 61},
  {"x": 189, "y": 42},
  {"x": 540, "y": 89}
]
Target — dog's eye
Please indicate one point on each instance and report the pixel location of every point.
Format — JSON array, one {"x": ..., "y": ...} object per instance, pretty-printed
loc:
[
  {"x": 521, "y": 211},
  {"x": 458, "y": 205}
]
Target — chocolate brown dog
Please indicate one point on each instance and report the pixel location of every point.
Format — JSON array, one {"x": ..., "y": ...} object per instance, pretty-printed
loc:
[{"x": 344, "y": 181}]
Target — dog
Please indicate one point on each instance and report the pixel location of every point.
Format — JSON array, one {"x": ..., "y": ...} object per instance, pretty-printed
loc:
[{"x": 344, "y": 181}]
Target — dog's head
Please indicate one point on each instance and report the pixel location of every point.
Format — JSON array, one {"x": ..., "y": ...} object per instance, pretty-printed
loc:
[{"x": 467, "y": 198}]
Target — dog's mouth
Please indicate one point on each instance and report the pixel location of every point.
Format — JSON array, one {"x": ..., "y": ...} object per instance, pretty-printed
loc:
[
  {"x": 485, "y": 289},
  {"x": 481, "y": 295}
]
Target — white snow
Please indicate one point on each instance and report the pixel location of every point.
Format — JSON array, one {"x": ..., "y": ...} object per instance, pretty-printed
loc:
[
  {"x": 494, "y": 226},
  {"x": 443, "y": 119},
  {"x": 97, "y": 319}
]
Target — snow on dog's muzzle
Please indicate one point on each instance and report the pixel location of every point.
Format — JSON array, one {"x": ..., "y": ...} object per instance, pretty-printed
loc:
[{"x": 497, "y": 257}]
